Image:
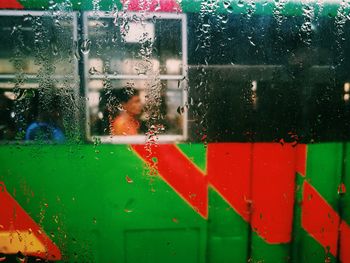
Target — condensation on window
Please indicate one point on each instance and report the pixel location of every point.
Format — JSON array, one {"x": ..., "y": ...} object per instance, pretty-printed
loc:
[{"x": 174, "y": 131}]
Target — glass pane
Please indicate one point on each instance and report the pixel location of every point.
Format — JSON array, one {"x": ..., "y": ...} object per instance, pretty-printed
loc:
[
  {"x": 119, "y": 46},
  {"x": 153, "y": 131},
  {"x": 38, "y": 77},
  {"x": 142, "y": 54},
  {"x": 105, "y": 105}
]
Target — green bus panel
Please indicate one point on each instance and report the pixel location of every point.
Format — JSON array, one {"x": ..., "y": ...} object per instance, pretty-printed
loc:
[
  {"x": 323, "y": 172},
  {"x": 268, "y": 253},
  {"x": 344, "y": 188},
  {"x": 102, "y": 204},
  {"x": 228, "y": 233},
  {"x": 99, "y": 204}
]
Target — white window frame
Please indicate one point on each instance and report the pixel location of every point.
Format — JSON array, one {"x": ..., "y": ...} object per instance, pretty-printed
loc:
[{"x": 139, "y": 139}]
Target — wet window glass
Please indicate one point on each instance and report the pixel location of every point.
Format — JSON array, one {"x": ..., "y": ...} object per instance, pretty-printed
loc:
[
  {"x": 130, "y": 53},
  {"x": 38, "y": 76},
  {"x": 152, "y": 131}
]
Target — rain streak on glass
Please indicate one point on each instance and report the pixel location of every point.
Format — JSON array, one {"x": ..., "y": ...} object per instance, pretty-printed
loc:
[{"x": 174, "y": 131}]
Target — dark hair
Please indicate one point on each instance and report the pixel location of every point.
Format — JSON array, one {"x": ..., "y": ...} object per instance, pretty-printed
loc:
[{"x": 125, "y": 94}]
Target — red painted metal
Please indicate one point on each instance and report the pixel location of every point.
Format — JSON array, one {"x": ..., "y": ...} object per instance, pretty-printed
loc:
[
  {"x": 179, "y": 172},
  {"x": 229, "y": 169},
  {"x": 14, "y": 220},
  {"x": 344, "y": 242},
  {"x": 153, "y": 5},
  {"x": 319, "y": 219},
  {"x": 258, "y": 181},
  {"x": 264, "y": 184},
  {"x": 273, "y": 183},
  {"x": 10, "y": 4}
]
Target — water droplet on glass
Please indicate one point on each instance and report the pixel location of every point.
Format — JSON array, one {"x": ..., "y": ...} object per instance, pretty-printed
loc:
[
  {"x": 129, "y": 206},
  {"x": 341, "y": 189},
  {"x": 76, "y": 50},
  {"x": 180, "y": 110},
  {"x": 240, "y": 3},
  {"x": 54, "y": 49},
  {"x": 21, "y": 258},
  {"x": 85, "y": 46},
  {"x": 226, "y": 4},
  {"x": 128, "y": 180},
  {"x": 93, "y": 71},
  {"x": 28, "y": 18}
]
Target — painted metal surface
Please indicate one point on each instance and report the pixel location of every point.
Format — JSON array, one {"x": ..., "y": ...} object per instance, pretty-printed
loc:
[
  {"x": 227, "y": 202},
  {"x": 326, "y": 8}
]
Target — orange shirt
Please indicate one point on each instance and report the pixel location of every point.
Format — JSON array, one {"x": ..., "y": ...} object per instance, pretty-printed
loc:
[{"x": 125, "y": 124}]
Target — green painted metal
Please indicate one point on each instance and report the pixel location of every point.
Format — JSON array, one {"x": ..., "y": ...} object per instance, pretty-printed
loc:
[
  {"x": 323, "y": 171},
  {"x": 268, "y": 253},
  {"x": 197, "y": 153},
  {"x": 101, "y": 204},
  {"x": 228, "y": 233},
  {"x": 84, "y": 199},
  {"x": 268, "y": 7},
  {"x": 344, "y": 192}
]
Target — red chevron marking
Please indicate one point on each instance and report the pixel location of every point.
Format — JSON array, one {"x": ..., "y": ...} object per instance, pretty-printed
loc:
[
  {"x": 179, "y": 172},
  {"x": 229, "y": 173},
  {"x": 258, "y": 181},
  {"x": 344, "y": 242},
  {"x": 273, "y": 180},
  {"x": 323, "y": 223},
  {"x": 153, "y": 5},
  {"x": 10, "y": 4},
  {"x": 14, "y": 221},
  {"x": 319, "y": 219}
]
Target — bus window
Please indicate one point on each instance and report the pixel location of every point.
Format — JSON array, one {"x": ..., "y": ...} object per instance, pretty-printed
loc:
[
  {"x": 38, "y": 72},
  {"x": 143, "y": 53}
]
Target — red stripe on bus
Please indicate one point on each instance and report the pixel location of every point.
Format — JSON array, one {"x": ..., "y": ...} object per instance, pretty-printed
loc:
[
  {"x": 179, "y": 172},
  {"x": 273, "y": 184},
  {"x": 10, "y": 4},
  {"x": 13, "y": 218},
  {"x": 319, "y": 219},
  {"x": 153, "y": 5},
  {"x": 258, "y": 181},
  {"x": 228, "y": 168},
  {"x": 344, "y": 242}
]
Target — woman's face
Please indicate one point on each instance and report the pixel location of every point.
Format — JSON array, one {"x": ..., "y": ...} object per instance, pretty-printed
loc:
[{"x": 133, "y": 106}]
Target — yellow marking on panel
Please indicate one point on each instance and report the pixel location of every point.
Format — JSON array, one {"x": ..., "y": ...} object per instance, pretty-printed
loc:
[{"x": 24, "y": 241}]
